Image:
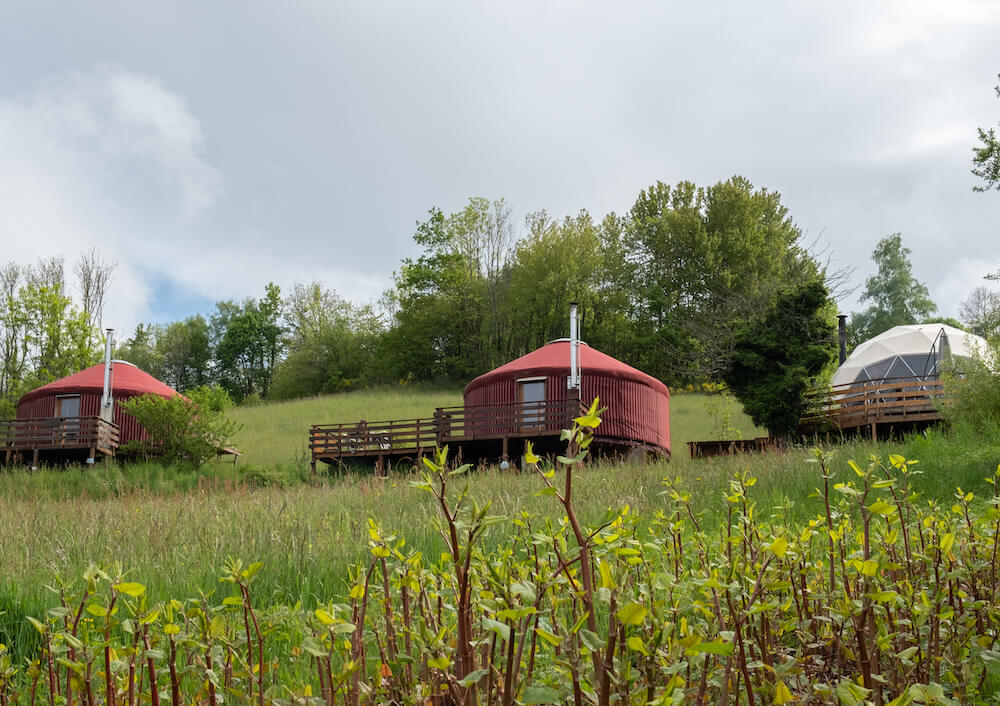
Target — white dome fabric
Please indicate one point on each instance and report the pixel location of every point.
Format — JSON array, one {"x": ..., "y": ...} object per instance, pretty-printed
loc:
[{"x": 907, "y": 351}]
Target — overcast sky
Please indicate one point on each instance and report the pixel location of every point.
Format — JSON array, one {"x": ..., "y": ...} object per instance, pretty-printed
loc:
[{"x": 214, "y": 146}]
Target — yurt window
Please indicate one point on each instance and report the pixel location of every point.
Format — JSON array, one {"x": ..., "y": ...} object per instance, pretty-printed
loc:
[
  {"x": 68, "y": 405},
  {"x": 531, "y": 393}
]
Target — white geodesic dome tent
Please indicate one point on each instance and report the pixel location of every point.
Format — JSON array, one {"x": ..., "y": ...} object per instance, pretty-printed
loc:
[{"x": 907, "y": 352}]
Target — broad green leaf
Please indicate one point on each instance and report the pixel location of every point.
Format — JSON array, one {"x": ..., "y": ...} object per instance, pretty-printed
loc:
[
  {"x": 39, "y": 625},
  {"x": 572, "y": 461},
  {"x": 778, "y": 547},
  {"x": 441, "y": 663},
  {"x": 549, "y": 637},
  {"x": 591, "y": 422},
  {"x": 851, "y": 694},
  {"x": 310, "y": 645},
  {"x": 632, "y": 614},
  {"x": 217, "y": 627},
  {"x": 884, "y": 596},
  {"x": 881, "y": 507},
  {"x": 130, "y": 589},
  {"x": 605, "y": 571},
  {"x": 472, "y": 677},
  {"x": 232, "y": 600},
  {"x": 592, "y": 640},
  {"x": 97, "y": 609},
  {"x": 636, "y": 644},
  {"x": 529, "y": 454},
  {"x": 501, "y": 629},
  {"x": 947, "y": 542},
  {"x": 252, "y": 570},
  {"x": 715, "y": 647},
  {"x": 782, "y": 695},
  {"x": 539, "y": 695},
  {"x": 343, "y": 628},
  {"x": 324, "y": 617}
]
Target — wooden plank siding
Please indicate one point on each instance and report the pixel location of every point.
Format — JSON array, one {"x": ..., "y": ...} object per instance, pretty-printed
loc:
[
  {"x": 57, "y": 435},
  {"x": 899, "y": 403},
  {"x": 453, "y": 426}
]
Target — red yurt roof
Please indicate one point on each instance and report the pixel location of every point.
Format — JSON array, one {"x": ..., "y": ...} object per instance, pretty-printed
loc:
[
  {"x": 127, "y": 381},
  {"x": 553, "y": 359}
]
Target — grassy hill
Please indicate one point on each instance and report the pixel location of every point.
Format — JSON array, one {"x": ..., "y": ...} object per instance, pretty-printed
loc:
[{"x": 277, "y": 433}]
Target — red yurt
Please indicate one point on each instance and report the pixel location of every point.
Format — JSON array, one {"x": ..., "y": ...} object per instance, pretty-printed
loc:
[
  {"x": 637, "y": 405},
  {"x": 79, "y": 395}
]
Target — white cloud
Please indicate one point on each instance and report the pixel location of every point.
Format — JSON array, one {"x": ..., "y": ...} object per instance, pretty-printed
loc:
[
  {"x": 103, "y": 159},
  {"x": 961, "y": 277}
]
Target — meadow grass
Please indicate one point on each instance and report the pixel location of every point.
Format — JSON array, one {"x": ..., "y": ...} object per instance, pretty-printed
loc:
[
  {"x": 174, "y": 528},
  {"x": 278, "y": 433}
]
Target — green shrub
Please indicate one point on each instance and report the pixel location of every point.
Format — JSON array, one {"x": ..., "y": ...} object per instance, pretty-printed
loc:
[
  {"x": 211, "y": 397},
  {"x": 180, "y": 431},
  {"x": 972, "y": 390}
]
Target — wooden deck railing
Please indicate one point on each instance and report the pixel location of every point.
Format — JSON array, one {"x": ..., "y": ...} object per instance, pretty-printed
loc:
[
  {"x": 846, "y": 407},
  {"x": 371, "y": 438},
  {"x": 520, "y": 419},
  {"x": 58, "y": 433},
  {"x": 448, "y": 425}
]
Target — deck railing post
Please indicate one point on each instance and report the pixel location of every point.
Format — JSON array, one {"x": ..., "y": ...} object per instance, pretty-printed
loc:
[{"x": 440, "y": 422}]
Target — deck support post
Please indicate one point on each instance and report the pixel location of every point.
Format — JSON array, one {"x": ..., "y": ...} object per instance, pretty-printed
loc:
[
  {"x": 34, "y": 459},
  {"x": 504, "y": 456},
  {"x": 312, "y": 467},
  {"x": 874, "y": 432}
]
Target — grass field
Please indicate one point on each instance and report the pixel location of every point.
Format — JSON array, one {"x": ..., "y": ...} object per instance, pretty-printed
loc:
[
  {"x": 174, "y": 528},
  {"x": 278, "y": 433}
]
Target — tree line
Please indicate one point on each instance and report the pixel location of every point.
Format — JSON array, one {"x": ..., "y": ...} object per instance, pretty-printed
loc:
[{"x": 673, "y": 286}]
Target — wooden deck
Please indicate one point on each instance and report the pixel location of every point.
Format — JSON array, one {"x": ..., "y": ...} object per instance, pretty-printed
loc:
[
  {"x": 477, "y": 432},
  {"x": 57, "y": 438},
  {"x": 896, "y": 405}
]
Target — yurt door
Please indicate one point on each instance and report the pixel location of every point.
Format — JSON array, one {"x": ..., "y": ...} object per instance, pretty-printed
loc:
[
  {"x": 68, "y": 406},
  {"x": 531, "y": 395}
]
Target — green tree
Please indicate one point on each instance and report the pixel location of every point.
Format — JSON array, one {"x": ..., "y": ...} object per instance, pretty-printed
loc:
[
  {"x": 185, "y": 352},
  {"x": 980, "y": 311},
  {"x": 58, "y": 334},
  {"x": 248, "y": 343},
  {"x": 559, "y": 262},
  {"x": 704, "y": 261},
  {"x": 897, "y": 297},
  {"x": 445, "y": 303},
  {"x": 141, "y": 349},
  {"x": 777, "y": 356},
  {"x": 331, "y": 344},
  {"x": 14, "y": 351},
  {"x": 986, "y": 157}
]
